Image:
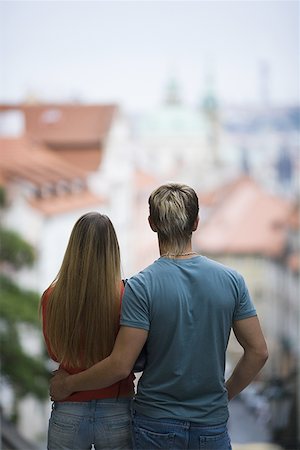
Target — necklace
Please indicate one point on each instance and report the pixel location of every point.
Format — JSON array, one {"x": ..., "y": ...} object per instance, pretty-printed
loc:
[{"x": 168, "y": 255}]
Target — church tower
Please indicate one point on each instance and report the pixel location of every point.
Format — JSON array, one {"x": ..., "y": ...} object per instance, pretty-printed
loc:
[
  {"x": 210, "y": 108},
  {"x": 172, "y": 95}
]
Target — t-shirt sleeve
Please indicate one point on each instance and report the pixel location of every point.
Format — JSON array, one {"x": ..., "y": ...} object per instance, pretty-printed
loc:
[
  {"x": 135, "y": 306},
  {"x": 244, "y": 307}
]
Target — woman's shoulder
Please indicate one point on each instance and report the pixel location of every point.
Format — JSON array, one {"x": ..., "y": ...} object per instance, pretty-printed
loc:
[{"x": 46, "y": 294}]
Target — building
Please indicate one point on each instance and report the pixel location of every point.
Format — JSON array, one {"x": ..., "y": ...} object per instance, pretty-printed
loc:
[
  {"x": 67, "y": 159},
  {"x": 179, "y": 141},
  {"x": 264, "y": 143}
]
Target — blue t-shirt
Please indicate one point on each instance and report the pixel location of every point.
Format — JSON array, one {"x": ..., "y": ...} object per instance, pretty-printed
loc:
[{"x": 188, "y": 306}]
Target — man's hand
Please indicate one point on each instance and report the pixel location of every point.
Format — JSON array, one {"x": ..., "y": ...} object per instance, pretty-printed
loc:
[
  {"x": 58, "y": 389},
  {"x": 115, "y": 367}
]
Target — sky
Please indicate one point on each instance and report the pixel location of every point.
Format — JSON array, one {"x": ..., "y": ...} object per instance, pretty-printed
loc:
[{"x": 127, "y": 51}]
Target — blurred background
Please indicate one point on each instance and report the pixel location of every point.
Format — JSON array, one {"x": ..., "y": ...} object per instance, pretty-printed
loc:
[{"x": 101, "y": 102}]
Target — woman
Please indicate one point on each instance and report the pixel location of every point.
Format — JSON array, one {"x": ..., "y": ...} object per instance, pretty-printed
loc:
[{"x": 80, "y": 313}]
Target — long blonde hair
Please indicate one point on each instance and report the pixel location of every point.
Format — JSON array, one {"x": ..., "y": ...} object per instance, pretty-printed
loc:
[
  {"x": 173, "y": 210},
  {"x": 83, "y": 308}
]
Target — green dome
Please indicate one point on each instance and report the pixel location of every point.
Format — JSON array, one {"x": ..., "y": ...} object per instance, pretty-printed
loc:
[{"x": 172, "y": 120}]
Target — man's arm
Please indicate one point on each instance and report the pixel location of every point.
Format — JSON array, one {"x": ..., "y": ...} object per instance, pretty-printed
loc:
[
  {"x": 249, "y": 334},
  {"x": 110, "y": 370}
]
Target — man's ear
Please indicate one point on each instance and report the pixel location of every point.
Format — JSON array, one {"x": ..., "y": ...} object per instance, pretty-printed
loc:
[
  {"x": 196, "y": 223},
  {"x": 152, "y": 226}
]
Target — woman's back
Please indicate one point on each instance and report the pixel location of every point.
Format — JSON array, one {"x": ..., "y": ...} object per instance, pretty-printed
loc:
[
  {"x": 124, "y": 388},
  {"x": 80, "y": 312}
]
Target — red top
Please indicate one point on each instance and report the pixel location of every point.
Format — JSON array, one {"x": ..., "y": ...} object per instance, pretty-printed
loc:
[{"x": 123, "y": 388}]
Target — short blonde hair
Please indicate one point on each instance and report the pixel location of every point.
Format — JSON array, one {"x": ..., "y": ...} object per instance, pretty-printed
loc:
[{"x": 173, "y": 211}]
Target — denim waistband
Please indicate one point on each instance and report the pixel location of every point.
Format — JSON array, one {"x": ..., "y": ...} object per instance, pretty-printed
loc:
[
  {"x": 179, "y": 422},
  {"x": 92, "y": 404}
]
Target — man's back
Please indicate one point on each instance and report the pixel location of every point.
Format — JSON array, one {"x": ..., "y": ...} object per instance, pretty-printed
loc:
[{"x": 188, "y": 306}]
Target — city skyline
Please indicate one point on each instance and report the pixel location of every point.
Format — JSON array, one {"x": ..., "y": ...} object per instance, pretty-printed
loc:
[{"x": 127, "y": 51}]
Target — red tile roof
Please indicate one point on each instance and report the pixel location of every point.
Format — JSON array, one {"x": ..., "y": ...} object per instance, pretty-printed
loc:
[
  {"x": 60, "y": 125},
  {"x": 68, "y": 202},
  {"x": 21, "y": 160},
  {"x": 215, "y": 196},
  {"x": 88, "y": 159},
  {"x": 145, "y": 180},
  {"x": 77, "y": 131},
  {"x": 245, "y": 219},
  {"x": 57, "y": 186}
]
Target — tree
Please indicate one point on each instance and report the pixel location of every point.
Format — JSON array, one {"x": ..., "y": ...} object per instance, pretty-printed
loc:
[{"x": 23, "y": 372}]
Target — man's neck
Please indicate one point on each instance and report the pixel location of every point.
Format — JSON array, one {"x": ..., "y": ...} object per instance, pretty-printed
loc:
[{"x": 170, "y": 252}]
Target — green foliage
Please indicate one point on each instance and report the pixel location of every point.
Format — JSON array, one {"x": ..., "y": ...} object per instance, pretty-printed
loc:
[
  {"x": 24, "y": 373},
  {"x": 17, "y": 305},
  {"x": 2, "y": 197},
  {"x": 14, "y": 250}
]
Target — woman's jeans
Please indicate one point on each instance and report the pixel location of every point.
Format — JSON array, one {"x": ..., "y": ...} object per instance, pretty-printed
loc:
[
  {"x": 174, "y": 434},
  {"x": 77, "y": 425}
]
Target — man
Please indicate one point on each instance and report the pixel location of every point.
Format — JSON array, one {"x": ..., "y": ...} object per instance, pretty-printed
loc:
[{"x": 184, "y": 305}]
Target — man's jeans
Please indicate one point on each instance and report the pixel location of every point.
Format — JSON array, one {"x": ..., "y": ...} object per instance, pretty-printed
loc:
[
  {"x": 174, "y": 434},
  {"x": 77, "y": 425}
]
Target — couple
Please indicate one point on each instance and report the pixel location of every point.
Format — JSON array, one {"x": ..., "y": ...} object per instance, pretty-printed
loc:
[{"x": 183, "y": 306}]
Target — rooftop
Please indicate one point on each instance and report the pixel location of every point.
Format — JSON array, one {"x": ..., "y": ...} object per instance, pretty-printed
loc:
[
  {"x": 244, "y": 219},
  {"x": 54, "y": 184},
  {"x": 66, "y": 124},
  {"x": 22, "y": 160},
  {"x": 78, "y": 132}
]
